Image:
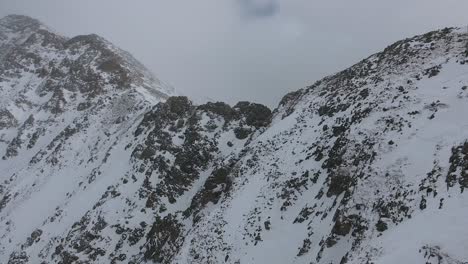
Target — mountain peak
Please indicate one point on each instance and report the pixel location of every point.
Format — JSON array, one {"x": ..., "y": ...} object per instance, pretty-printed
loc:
[
  {"x": 20, "y": 22},
  {"x": 115, "y": 66}
]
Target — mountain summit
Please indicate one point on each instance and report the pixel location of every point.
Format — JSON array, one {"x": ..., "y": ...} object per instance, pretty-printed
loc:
[{"x": 101, "y": 164}]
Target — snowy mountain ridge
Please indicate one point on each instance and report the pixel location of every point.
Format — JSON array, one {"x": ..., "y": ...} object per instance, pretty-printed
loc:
[{"x": 101, "y": 165}]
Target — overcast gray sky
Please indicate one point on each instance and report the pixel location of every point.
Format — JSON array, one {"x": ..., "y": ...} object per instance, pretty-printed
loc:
[{"x": 254, "y": 50}]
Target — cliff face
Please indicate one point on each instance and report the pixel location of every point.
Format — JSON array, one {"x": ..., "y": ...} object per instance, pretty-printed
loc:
[{"x": 100, "y": 165}]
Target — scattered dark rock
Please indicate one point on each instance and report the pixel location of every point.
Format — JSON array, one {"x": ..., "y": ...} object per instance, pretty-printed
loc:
[
  {"x": 163, "y": 240},
  {"x": 7, "y": 119},
  {"x": 381, "y": 226},
  {"x": 256, "y": 115},
  {"x": 340, "y": 182},
  {"x": 306, "y": 245},
  {"x": 242, "y": 133}
]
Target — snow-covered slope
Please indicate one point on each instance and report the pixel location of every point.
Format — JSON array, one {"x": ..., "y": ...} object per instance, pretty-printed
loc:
[
  {"x": 65, "y": 103},
  {"x": 366, "y": 166},
  {"x": 100, "y": 165}
]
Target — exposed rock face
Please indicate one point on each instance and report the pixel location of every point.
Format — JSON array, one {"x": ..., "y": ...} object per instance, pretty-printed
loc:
[{"x": 101, "y": 165}]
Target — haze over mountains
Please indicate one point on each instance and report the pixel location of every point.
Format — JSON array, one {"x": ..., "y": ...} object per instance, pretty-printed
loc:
[{"x": 102, "y": 164}]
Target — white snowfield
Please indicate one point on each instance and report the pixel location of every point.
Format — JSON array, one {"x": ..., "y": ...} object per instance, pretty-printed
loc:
[{"x": 366, "y": 166}]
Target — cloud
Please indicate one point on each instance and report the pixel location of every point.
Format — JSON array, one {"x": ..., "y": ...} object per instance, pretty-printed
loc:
[
  {"x": 258, "y": 8},
  {"x": 234, "y": 50}
]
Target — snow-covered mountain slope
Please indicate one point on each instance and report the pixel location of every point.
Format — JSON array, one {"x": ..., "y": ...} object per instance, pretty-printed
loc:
[
  {"x": 366, "y": 166},
  {"x": 100, "y": 165},
  {"x": 65, "y": 103}
]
